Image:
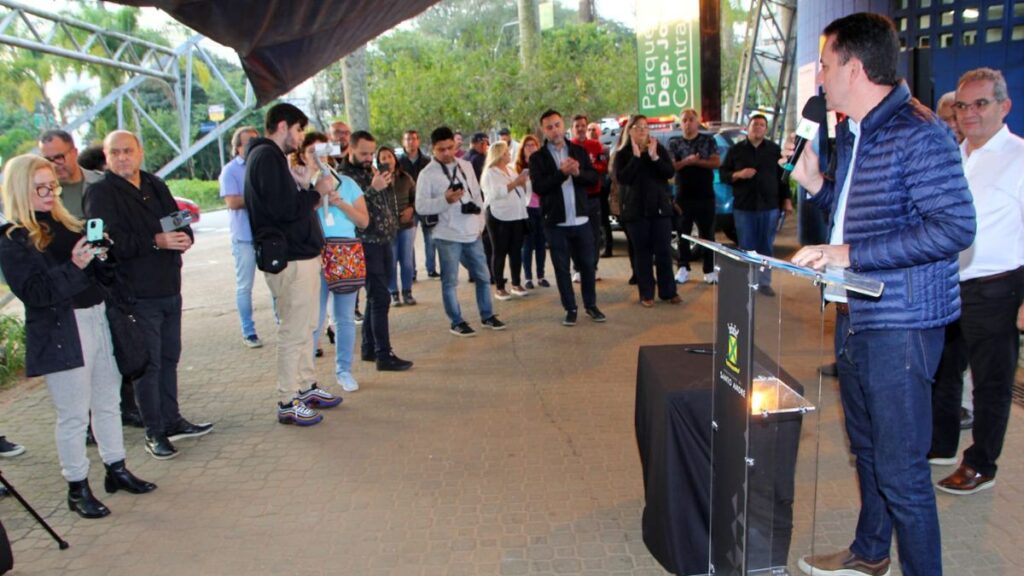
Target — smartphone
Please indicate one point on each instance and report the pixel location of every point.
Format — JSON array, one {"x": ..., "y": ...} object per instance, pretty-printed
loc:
[
  {"x": 94, "y": 230},
  {"x": 94, "y": 233},
  {"x": 326, "y": 149},
  {"x": 384, "y": 167}
]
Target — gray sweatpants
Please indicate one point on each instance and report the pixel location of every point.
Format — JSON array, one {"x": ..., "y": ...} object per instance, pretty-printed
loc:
[{"x": 95, "y": 386}]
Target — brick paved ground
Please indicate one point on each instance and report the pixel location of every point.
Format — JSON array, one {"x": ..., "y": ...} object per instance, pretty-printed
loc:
[{"x": 509, "y": 453}]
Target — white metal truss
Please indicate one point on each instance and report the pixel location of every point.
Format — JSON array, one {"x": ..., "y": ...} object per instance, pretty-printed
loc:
[
  {"x": 765, "y": 77},
  {"x": 28, "y": 28}
]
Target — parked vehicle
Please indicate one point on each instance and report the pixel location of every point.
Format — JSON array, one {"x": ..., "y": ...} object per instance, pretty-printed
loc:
[{"x": 186, "y": 204}]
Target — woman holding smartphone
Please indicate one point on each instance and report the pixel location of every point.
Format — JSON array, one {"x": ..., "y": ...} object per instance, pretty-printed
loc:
[
  {"x": 505, "y": 195},
  {"x": 402, "y": 245},
  {"x": 340, "y": 213},
  {"x": 51, "y": 268}
]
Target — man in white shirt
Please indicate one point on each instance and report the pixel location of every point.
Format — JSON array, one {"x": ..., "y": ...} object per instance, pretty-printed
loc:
[
  {"x": 991, "y": 288},
  {"x": 448, "y": 188}
]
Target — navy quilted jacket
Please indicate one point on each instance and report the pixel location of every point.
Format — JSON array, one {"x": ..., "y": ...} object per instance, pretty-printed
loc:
[{"x": 908, "y": 214}]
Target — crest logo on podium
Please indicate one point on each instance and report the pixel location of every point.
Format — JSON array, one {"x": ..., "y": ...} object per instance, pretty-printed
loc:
[{"x": 733, "y": 350}]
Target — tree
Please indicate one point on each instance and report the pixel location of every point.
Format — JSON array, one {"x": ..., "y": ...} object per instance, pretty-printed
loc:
[
  {"x": 529, "y": 33},
  {"x": 587, "y": 13},
  {"x": 356, "y": 99}
]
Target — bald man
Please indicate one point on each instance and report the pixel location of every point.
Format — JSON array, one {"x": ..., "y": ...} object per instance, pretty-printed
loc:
[{"x": 131, "y": 203}]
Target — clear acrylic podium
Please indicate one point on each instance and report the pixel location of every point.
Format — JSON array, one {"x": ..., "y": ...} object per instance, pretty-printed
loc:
[{"x": 764, "y": 382}]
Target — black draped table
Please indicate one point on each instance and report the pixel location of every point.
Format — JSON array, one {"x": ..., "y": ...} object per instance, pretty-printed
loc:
[{"x": 673, "y": 431}]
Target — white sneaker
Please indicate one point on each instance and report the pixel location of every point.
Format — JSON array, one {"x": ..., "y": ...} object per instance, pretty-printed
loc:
[
  {"x": 347, "y": 382},
  {"x": 576, "y": 277},
  {"x": 711, "y": 278},
  {"x": 682, "y": 276}
]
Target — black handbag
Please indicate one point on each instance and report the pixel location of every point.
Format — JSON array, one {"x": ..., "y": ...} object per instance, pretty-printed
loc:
[
  {"x": 271, "y": 250},
  {"x": 130, "y": 349},
  {"x": 126, "y": 333}
]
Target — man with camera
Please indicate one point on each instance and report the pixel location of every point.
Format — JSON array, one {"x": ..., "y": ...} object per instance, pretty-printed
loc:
[
  {"x": 377, "y": 237},
  {"x": 148, "y": 237},
  {"x": 448, "y": 188}
]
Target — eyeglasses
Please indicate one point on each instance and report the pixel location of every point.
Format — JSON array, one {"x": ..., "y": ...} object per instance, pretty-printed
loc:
[
  {"x": 980, "y": 105},
  {"x": 57, "y": 158},
  {"x": 51, "y": 189}
]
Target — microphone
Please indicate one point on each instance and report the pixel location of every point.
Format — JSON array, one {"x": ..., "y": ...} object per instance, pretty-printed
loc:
[{"x": 813, "y": 116}]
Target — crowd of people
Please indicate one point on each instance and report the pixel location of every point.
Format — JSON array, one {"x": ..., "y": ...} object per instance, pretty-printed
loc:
[{"x": 935, "y": 211}]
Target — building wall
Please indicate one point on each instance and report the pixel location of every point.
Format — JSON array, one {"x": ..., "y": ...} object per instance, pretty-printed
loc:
[{"x": 942, "y": 40}]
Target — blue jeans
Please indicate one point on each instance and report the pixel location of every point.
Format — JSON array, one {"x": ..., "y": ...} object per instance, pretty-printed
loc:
[
  {"x": 470, "y": 255},
  {"x": 534, "y": 243},
  {"x": 343, "y": 308},
  {"x": 245, "y": 272},
  {"x": 885, "y": 381},
  {"x": 428, "y": 248},
  {"x": 578, "y": 242},
  {"x": 756, "y": 231},
  {"x": 402, "y": 251}
]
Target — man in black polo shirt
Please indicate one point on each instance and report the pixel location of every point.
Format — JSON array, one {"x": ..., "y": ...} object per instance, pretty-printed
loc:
[
  {"x": 752, "y": 168},
  {"x": 131, "y": 203}
]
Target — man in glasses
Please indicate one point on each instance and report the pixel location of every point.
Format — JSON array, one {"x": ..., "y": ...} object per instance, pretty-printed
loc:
[
  {"x": 58, "y": 147},
  {"x": 986, "y": 336}
]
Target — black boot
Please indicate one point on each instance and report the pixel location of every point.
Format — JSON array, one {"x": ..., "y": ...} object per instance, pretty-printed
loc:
[
  {"x": 119, "y": 478},
  {"x": 81, "y": 500}
]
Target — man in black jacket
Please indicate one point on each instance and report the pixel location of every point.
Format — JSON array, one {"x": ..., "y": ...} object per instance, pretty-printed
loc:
[
  {"x": 561, "y": 173},
  {"x": 377, "y": 237},
  {"x": 131, "y": 204},
  {"x": 280, "y": 202}
]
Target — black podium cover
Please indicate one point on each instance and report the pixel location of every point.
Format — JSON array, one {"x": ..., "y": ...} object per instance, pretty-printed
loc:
[{"x": 673, "y": 429}]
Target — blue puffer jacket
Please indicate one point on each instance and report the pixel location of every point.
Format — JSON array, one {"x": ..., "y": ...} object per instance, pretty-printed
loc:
[{"x": 908, "y": 214}]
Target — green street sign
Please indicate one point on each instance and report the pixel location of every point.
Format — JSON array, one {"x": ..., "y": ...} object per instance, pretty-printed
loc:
[{"x": 668, "y": 56}]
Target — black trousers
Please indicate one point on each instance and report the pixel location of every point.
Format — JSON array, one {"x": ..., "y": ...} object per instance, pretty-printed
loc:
[
  {"x": 986, "y": 339},
  {"x": 703, "y": 215},
  {"x": 376, "y": 333},
  {"x": 156, "y": 391},
  {"x": 606, "y": 212},
  {"x": 507, "y": 243},
  {"x": 652, "y": 247}
]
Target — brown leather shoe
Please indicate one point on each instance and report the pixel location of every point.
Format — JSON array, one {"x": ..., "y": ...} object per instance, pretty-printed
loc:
[
  {"x": 675, "y": 300},
  {"x": 647, "y": 303},
  {"x": 842, "y": 563},
  {"x": 965, "y": 480}
]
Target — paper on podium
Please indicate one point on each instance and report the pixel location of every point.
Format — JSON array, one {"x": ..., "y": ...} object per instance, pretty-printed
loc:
[{"x": 831, "y": 275}]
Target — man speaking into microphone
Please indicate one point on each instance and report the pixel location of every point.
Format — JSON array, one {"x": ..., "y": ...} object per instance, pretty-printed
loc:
[{"x": 901, "y": 213}]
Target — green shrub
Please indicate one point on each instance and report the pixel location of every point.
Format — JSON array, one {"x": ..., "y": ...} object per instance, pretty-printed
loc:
[
  {"x": 206, "y": 193},
  {"x": 12, "y": 349}
]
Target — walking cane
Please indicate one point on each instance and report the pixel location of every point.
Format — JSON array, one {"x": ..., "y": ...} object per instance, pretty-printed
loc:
[{"x": 61, "y": 543}]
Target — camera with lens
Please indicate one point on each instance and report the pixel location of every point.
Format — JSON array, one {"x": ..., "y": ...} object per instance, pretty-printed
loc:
[
  {"x": 176, "y": 221},
  {"x": 470, "y": 208}
]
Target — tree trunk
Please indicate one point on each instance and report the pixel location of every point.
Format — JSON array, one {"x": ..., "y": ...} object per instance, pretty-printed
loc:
[
  {"x": 586, "y": 11},
  {"x": 529, "y": 33},
  {"x": 357, "y": 105}
]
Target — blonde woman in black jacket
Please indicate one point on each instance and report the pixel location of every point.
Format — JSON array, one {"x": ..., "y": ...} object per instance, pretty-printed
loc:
[
  {"x": 642, "y": 168},
  {"x": 53, "y": 271}
]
